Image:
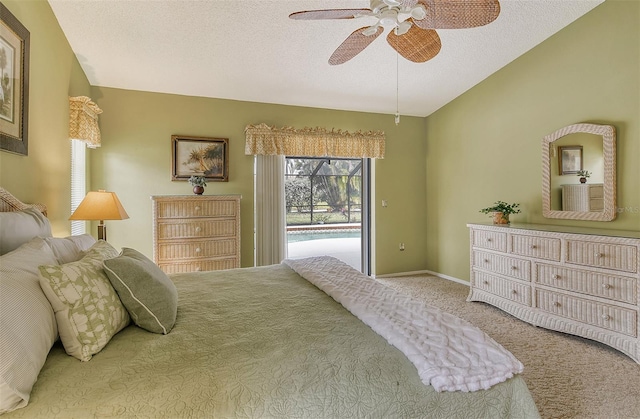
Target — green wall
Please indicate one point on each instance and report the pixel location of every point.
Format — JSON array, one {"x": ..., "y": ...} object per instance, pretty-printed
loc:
[
  {"x": 486, "y": 145},
  {"x": 55, "y": 74},
  {"x": 481, "y": 147},
  {"x": 135, "y": 162}
]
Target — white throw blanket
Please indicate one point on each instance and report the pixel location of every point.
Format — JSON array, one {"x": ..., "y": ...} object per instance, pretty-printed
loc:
[{"x": 449, "y": 353}]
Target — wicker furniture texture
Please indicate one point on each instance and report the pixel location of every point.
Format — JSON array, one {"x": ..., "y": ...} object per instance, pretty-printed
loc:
[
  {"x": 572, "y": 280},
  {"x": 10, "y": 203},
  {"x": 196, "y": 233},
  {"x": 583, "y": 197}
]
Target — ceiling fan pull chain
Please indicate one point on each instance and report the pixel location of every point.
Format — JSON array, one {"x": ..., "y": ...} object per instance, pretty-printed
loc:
[{"x": 397, "y": 91}]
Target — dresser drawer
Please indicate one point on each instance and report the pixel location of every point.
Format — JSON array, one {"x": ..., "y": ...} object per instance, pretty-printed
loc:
[
  {"x": 591, "y": 283},
  {"x": 199, "y": 265},
  {"x": 505, "y": 265},
  {"x": 603, "y": 255},
  {"x": 196, "y": 208},
  {"x": 490, "y": 240},
  {"x": 196, "y": 228},
  {"x": 197, "y": 249},
  {"x": 536, "y": 247},
  {"x": 510, "y": 290},
  {"x": 606, "y": 316}
]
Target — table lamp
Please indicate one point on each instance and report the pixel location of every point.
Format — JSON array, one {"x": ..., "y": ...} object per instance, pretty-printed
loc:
[{"x": 100, "y": 206}]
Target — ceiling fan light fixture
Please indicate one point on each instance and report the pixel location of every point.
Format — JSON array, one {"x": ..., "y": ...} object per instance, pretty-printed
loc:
[
  {"x": 389, "y": 18},
  {"x": 371, "y": 30},
  {"x": 418, "y": 12},
  {"x": 403, "y": 28}
]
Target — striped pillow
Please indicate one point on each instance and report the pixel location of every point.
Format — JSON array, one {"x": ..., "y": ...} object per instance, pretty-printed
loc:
[{"x": 27, "y": 322}]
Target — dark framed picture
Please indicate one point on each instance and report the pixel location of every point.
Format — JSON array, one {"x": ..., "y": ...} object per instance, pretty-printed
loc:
[
  {"x": 200, "y": 156},
  {"x": 14, "y": 83},
  {"x": 569, "y": 159}
]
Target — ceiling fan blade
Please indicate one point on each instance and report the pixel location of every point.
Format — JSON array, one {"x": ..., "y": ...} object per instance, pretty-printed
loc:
[
  {"x": 417, "y": 45},
  {"x": 329, "y": 14},
  {"x": 458, "y": 14},
  {"x": 353, "y": 45}
]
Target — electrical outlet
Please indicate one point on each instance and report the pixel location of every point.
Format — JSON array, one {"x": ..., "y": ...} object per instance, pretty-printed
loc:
[
  {"x": 401, "y": 246},
  {"x": 384, "y": 203}
]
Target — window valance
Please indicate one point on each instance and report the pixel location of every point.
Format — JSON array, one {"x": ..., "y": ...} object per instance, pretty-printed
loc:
[
  {"x": 313, "y": 142},
  {"x": 83, "y": 120}
]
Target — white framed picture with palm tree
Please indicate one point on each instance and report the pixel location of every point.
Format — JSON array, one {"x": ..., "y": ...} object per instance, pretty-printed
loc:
[{"x": 200, "y": 156}]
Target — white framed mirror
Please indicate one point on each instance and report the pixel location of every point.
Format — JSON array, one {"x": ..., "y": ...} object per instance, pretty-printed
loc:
[{"x": 566, "y": 152}]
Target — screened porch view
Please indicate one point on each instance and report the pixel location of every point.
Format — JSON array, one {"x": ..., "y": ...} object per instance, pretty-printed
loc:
[{"x": 324, "y": 208}]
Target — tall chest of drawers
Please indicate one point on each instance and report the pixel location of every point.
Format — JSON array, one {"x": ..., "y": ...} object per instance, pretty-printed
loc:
[
  {"x": 572, "y": 280},
  {"x": 196, "y": 232}
]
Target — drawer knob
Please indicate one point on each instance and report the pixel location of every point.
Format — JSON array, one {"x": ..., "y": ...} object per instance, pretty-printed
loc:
[
  {"x": 556, "y": 304},
  {"x": 533, "y": 246},
  {"x": 486, "y": 261},
  {"x": 606, "y": 286},
  {"x": 514, "y": 292},
  {"x": 485, "y": 282},
  {"x": 556, "y": 276},
  {"x": 489, "y": 240},
  {"x": 197, "y": 208},
  {"x": 513, "y": 268},
  {"x": 198, "y": 229},
  {"x": 606, "y": 317},
  {"x": 599, "y": 255},
  {"x": 198, "y": 250}
]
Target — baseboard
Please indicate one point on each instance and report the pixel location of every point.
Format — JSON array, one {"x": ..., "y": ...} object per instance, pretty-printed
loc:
[{"x": 413, "y": 273}]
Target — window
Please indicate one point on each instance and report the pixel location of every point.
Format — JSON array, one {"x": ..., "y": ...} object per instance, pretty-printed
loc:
[{"x": 78, "y": 182}]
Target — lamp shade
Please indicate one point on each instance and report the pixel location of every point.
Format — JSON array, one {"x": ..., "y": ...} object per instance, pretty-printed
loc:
[{"x": 100, "y": 205}]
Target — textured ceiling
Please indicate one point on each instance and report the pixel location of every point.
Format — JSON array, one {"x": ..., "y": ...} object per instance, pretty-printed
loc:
[{"x": 250, "y": 50}]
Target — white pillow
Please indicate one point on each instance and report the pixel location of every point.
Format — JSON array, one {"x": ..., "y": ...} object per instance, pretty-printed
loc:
[
  {"x": 27, "y": 322},
  {"x": 18, "y": 227},
  {"x": 70, "y": 249}
]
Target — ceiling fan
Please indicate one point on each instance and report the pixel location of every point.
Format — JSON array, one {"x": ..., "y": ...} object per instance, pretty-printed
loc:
[{"x": 413, "y": 21}]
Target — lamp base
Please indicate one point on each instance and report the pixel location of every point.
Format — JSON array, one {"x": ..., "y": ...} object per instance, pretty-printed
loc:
[{"x": 102, "y": 232}]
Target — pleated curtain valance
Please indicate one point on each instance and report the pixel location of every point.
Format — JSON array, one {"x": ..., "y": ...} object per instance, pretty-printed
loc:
[
  {"x": 83, "y": 121},
  {"x": 313, "y": 142}
]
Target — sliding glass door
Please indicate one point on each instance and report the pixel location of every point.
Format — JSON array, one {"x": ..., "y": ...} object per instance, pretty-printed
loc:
[{"x": 327, "y": 209}]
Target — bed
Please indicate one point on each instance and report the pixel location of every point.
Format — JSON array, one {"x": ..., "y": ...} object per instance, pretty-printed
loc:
[{"x": 268, "y": 342}]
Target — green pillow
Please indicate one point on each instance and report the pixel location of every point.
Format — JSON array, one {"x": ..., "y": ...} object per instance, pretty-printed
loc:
[
  {"x": 88, "y": 310},
  {"x": 148, "y": 294}
]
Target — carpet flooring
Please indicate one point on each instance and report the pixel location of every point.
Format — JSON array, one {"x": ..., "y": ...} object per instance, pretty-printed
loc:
[{"x": 569, "y": 377}]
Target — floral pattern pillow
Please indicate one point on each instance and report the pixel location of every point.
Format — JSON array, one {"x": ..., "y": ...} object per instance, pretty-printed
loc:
[{"x": 87, "y": 308}]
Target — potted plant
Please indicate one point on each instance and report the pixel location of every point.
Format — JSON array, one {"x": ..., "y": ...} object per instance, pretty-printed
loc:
[
  {"x": 198, "y": 183},
  {"x": 583, "y": 175},
  {"x": 500, "y": 211}
]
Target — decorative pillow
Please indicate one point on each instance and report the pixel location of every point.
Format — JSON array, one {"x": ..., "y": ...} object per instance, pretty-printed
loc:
[
  {"x": 148, "y": 294},
  {"x": 88, "y": 310},
  {"x": 27, "y": 323},
  {"x": 18, "y": 227},
  {"x": 70, "y": 249}
]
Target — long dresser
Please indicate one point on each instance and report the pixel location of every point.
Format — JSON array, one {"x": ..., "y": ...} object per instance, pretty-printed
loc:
[
  {"x": 580, "y": 281},
  {"x": 196, "y": 232}
]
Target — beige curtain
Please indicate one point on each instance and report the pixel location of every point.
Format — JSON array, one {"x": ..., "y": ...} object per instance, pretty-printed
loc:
[
  {"x": 83, "y": 121},
  {"x": 313, "y": 142},
  {"x": 270, "y": 221}
]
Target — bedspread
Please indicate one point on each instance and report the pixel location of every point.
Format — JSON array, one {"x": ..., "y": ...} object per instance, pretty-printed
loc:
[
  {"x": 450, "y": 353},
  {"x": 255, "y": 342}
]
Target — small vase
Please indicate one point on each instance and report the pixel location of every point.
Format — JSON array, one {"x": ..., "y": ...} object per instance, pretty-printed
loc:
[
  {"x": 198, "y": 190},
  {"x": 583, "y": 180},
  {"x": 500, "y": 218}
]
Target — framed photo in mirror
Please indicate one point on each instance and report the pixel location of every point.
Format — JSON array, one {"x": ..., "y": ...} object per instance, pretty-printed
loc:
[{"x": 569, "y": 159}]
